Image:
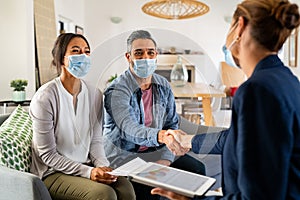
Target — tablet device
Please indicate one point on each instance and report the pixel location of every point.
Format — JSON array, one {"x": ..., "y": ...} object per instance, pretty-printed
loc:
[{"x": 169, "y": 178}]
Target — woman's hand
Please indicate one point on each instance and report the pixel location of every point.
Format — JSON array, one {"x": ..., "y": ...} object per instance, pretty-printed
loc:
[
  {"x": 177, "y": 141},
  {"x": 168, "y": 194},
  {"x": 99, "y": 174},
  {"x": 184, "y": 139}
]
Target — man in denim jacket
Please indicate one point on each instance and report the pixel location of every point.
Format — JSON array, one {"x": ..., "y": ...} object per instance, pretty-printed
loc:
[
  {"x": 128, "y": 129},
  {"x": 139, "y": 109}
]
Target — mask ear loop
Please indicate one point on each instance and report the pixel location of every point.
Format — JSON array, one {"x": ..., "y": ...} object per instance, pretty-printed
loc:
[
  {"x": 236, "y": 39},
  {"x": 233, "y": 42}
]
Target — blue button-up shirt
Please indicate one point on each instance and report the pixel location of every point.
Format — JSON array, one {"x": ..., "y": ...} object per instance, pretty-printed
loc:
[{"x": 125, "y": 129}]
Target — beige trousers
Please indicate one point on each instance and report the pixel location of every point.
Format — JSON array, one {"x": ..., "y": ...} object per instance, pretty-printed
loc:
[{"x": 62, "y": 186}]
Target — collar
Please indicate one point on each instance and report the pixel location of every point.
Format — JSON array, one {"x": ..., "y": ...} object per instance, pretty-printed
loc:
[
  {"x": 134, "y": 84},
  {"x": 271, "y": 61}
]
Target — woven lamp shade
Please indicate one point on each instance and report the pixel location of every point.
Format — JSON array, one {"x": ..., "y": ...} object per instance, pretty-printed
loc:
[{"x": 175, "y": 9}]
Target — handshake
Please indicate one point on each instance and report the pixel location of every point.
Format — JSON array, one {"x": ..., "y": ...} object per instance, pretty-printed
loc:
[{"x": 177, "y": 141}]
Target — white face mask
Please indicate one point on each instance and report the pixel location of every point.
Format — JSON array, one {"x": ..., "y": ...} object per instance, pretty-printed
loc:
[{"x": 144, "y": 68}]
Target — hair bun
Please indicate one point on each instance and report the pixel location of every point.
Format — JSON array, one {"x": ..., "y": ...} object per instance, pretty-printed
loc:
[{"x": 288, "y": 15}]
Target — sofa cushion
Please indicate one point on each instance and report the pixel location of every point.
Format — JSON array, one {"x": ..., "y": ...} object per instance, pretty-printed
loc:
[{"x": 15, "y": 140}]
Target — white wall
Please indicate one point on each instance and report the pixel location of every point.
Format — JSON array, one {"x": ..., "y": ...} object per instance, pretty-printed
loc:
[
  {"x": 208, "y": 31},
  {"x": 108, "y": 60},
  {"x": 72, "y": 10},
  {"x": 16, "y": 26},
  {"x": 17, "y": 46}
]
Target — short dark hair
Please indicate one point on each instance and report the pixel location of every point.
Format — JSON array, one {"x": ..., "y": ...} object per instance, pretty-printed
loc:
[
  {"x": 60, "y": 48},
  {"x": 139, "y": 34}
]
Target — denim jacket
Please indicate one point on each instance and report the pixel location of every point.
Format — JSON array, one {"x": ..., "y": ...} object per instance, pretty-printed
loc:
[{"x": 124, "y": 129}]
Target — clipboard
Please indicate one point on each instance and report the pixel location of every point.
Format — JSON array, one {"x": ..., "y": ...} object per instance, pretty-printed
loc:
[{"x": 179, "y": 181}]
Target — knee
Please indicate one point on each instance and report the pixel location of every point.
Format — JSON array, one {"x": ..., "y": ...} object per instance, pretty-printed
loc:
[
  {"x": 127, "y": 196},
  {"x": 188, "y": 163},
  {"x": 200, "y": 169},
  {"x": 103, "y": 192},
  {"x": 197, "y": 167},
  {"x": 124, "y": 189}
]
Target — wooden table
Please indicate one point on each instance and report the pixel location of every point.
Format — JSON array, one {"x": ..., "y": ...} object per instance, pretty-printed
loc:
[{"x": 195, "y": 90}]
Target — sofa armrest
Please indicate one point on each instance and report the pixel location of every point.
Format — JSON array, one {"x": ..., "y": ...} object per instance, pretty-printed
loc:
[
  {"x": 21, "y": 185},
  {"x": 3, "y": 117},
  {"x": 192, "y": 128}
]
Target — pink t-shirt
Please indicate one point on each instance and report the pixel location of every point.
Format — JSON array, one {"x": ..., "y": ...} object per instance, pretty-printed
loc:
[{"x": 147, "y": 102}]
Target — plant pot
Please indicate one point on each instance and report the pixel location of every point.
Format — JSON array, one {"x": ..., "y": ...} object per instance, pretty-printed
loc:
[{"x": 18, "y": 96}]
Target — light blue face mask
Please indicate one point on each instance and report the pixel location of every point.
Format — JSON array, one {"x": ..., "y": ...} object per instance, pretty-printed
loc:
[
  {"x": 79, "y": 65},
  {"x": 144, "y": 68},
  {"x": 228, "y": 57}
]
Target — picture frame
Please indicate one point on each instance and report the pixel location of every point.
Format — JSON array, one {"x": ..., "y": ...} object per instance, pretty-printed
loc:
[
  {"x": 78, "y": 30},
  {"x": 293, "y": 48}
]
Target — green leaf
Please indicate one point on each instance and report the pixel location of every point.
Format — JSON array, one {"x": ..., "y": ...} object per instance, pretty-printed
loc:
[{"x": 18, "y": 84}]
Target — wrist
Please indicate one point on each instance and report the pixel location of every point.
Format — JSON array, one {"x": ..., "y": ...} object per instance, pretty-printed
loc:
[
  {"x": 187, "y": 141},
  {"x": 161, "y": 136}
]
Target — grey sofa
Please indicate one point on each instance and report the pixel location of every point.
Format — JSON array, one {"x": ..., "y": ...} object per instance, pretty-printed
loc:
[{"x": 19, "y": 185}]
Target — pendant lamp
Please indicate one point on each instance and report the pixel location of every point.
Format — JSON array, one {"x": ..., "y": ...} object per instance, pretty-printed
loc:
[{"x": 175, "y": 9}]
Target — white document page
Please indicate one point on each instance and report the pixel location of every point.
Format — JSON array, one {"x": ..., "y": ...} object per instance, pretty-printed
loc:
[{"x": 131, "y": 166}]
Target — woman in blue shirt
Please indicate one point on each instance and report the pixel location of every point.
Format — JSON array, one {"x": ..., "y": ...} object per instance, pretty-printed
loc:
[{"x": 261, "y": 149}]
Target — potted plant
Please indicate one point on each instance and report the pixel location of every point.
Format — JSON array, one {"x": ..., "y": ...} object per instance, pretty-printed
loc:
[
  {"x": 19, "y": 89},
  {"x": 111, "y": 78}
]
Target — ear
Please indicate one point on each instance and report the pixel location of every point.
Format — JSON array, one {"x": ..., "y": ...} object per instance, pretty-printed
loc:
[
  {"x": 128, "y": 57},
  {"x": 241, "y": 26},
  {"x": 65, "y": 62}
]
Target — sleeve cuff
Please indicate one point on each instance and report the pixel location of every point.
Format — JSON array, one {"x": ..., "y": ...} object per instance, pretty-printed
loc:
[
  {"x": 154, "y": 137},
  {"x": 87, "y": 174}
]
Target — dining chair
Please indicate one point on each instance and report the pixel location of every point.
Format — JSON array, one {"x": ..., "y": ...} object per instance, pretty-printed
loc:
[
  {"x": 232, "y": 78},
  {"x": 192, "y": 110}
]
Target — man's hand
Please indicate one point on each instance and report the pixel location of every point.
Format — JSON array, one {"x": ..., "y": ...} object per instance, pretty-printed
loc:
[
  {"x": 167, "y": 137},
  {"x": 181, "y": 137},
  {"x": 161, "y": 136},
  {"x": 99, "y": 174},
  {"x": 168, "y": 194}
]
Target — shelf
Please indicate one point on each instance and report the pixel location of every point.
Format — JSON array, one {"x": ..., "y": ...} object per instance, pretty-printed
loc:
[{"x": 171, "y": 59}]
